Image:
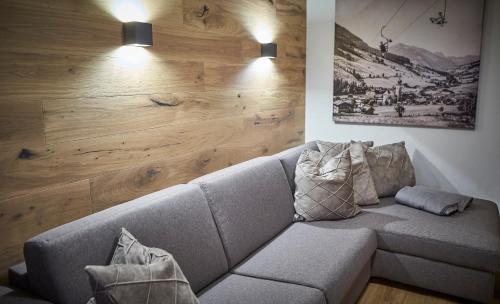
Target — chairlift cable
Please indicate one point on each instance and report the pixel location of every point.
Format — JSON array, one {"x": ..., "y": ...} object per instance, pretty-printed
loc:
[
  {"x": 415, "y": 21},
  {"x": 390, "y": 19}
]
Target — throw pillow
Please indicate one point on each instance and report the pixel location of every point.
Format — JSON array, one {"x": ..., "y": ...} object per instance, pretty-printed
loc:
[
  {"x": 391, "y": 168},
  {"x": 324, "y": 187},
  {"x": 364, "y": 186},
  {"x": 365, "y": 192},
  {"x": 160, "y": 282},
  {"x": 130, "y": 252}
]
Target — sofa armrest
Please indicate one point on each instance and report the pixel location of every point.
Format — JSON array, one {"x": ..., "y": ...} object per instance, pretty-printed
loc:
[
  {"x": 18, "y": 276},
  {"x": 9, "y": 295}
]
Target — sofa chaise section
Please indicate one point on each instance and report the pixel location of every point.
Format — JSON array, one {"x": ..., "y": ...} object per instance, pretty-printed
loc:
[{"x": 464, "y": 246}]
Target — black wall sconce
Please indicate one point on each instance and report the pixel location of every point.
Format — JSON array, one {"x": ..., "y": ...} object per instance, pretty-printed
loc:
[
  {"x": 138, "y": 34},
  {"x": 269, "y": 50}
]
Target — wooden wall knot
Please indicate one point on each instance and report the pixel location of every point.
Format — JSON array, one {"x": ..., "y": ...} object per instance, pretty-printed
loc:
[
  {"x": 25, "y": 154},
  {"x": 168, "y": 100},
  {"x": 203, "y": 11}
]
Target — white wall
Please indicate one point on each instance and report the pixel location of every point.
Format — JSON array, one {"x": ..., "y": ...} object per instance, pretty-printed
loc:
[{"x": 463, "y": 161}]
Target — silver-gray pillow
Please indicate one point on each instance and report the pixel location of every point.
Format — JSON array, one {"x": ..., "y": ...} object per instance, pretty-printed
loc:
[
  {"x": 364, "y": 187},
  {"x": 324, "y": 187},
  {"x": 156, "y": 283},
  {"x": 130, "y": 252},
  {"x": 391, "y": 168}
]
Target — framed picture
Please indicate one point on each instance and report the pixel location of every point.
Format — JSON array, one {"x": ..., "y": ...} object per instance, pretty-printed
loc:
[{"x": 407, "y": 62}]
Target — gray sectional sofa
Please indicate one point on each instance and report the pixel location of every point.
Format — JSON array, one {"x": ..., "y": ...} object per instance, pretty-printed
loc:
[{"x": 233, "y": 236}]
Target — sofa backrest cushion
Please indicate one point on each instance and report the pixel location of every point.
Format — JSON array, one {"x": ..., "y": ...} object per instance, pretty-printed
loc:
[
  {"x": 289, "y": 160},
  {"x": 251, "y": 203},
  {"x": 176, "y": 219}
]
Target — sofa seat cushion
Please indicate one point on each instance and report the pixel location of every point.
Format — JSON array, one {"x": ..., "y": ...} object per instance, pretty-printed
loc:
[
  {"x": 469, "y": 239},
  {"x": 318, "y": 257},
  {"x": 248, "y": 290}
]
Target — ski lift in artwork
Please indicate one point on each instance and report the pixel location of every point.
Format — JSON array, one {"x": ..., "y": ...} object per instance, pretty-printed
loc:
[
  {"x": 384, "y": 45},
  {"x": 441, "y": 18}
]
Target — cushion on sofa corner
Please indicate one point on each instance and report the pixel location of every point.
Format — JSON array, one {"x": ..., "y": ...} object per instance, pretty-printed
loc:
[
  {"x": 324, "y": 187},
  {"x": 289, "y": 158},
  {"x": 391, "y": 168}
]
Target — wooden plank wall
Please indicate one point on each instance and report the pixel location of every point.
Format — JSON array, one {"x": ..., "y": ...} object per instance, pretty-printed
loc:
[{"x": 79, "y": 131}]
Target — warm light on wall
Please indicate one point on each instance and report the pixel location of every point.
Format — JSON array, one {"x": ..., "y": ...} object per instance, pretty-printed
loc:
[
  {"x": 129, "y": 10},
  {"x": 263, "y": 34},
  {"x": 130, "y": 57}
]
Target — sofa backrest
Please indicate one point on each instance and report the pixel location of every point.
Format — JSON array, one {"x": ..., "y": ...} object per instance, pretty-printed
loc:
[
  {"x": 176, "y": 219},
  {"x": 289, "y": 160},
  {"x": 251, "y": 203}
]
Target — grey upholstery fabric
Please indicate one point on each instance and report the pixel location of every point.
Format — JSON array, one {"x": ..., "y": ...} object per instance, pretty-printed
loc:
[
  {"x": 18, "y": 276},
  {"x": 391, "y": 168},
  {"x": 156, "y": 283},
  {"x": 175, "y": 219},
  {"x": 289, "y": 158},
  {"x": 251, "y": 203},
  {"x": 442, "y": 277},
  {"x": 431, "y": 200},
  {"x": 359, "y": 285},
  {"x": 14, "y": 296},
  {"x": 364, "y": 187},
  {"x": 328, "y": 259},
  {"x": 236, "y": 289},
  {"x": 469, "y": 239},
  {"x": 324, "y": 186}
]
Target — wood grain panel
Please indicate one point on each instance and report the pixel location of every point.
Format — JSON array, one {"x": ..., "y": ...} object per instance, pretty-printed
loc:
[
  {"x": 94, "y": 117},
  {"x": 54, "y": 76},
  {"x": 24, "y": 217},
  {"x": 86, "y": 124},
  {"x": 21, "y": 122},
  {"x": 262, "y": 134},
  {"x": 260, "y": 74}
]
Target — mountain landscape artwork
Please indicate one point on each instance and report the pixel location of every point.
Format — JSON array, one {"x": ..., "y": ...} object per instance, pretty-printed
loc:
[{"x": 407, "y": 62}]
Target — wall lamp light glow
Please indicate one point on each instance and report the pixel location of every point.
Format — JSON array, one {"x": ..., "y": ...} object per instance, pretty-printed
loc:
[
  {"x": 269, "y": 50},
  {"x": 138, "y": 34}
]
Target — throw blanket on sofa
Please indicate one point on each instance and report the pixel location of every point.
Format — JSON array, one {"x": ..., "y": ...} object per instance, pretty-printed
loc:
[{"x": 434, "y": 201}]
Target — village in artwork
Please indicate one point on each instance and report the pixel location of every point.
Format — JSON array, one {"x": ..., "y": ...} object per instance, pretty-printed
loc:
[{"x": 401, "y": 84}]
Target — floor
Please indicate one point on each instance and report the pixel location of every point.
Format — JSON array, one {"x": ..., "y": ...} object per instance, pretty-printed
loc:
[{"x": 386, "y": 292}]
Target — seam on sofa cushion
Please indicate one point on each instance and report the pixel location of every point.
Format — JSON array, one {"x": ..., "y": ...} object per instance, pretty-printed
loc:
[
  {"x": 208, "y": 198},
  {"x": 436, "y": 260},
  {"x": 281, "y": 281},
  {"x": 441, "y": 242}
]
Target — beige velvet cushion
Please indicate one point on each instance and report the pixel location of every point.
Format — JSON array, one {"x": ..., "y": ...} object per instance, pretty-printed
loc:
[
  {"x": 324, "y": 187},
  {"x": 391, "y": 168},
  {"x": 364, "y": 186},
  {"x": 137, "y": 270}
]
